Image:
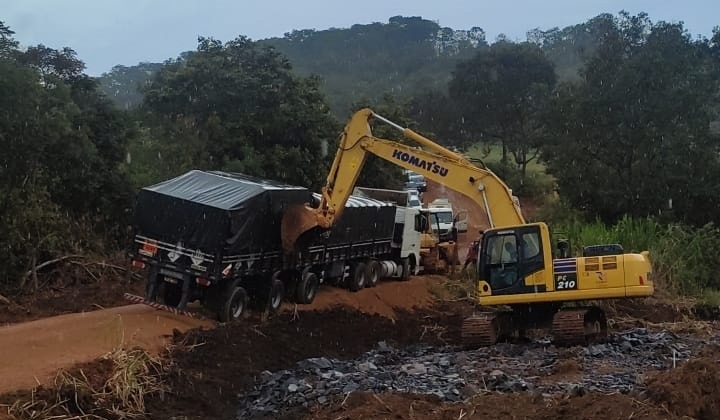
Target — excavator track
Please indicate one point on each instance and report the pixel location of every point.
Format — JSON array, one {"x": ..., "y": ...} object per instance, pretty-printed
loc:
[
  {"x": 485, "y": 329},
  {"x": 479, "y": 330},
  {"x": 579, "y": 326}
]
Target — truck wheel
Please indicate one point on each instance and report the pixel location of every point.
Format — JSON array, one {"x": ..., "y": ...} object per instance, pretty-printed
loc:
[
  {"x": 373, "y": 273},
  {"x": 171, "y": 294},
  {"x": 358, "y": 276},
  {"x": 405, "y": 269},
  {"x": 307, "y": 288},
  {"x": 151, "y": 287},
  {"x": 412, "y": 266},
  {"x": 234, "y": 305},
  {"x": 277, "y": 294}
]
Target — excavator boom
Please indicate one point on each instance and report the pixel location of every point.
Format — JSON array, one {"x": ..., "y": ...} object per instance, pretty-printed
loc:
[{"x": 431, "y": 160}]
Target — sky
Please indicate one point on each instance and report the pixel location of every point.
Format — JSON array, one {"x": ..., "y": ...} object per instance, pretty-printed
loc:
[{"x": 105, "y": 33}]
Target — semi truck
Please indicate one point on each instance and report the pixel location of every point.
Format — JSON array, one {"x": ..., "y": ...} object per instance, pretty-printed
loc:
[
  {"x": 438, "y": 241},
  {"x": 214, "y": 237}
]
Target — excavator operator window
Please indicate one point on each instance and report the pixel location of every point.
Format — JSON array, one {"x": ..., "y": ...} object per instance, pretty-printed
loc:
[{"x": 501, "y": 261}]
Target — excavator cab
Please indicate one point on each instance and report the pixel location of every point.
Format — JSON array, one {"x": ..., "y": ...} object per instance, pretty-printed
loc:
[{"x": 509, "y": 256}]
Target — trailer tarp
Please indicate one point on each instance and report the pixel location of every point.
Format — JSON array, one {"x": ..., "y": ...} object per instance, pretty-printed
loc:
[{"x": 216, "y": 212}]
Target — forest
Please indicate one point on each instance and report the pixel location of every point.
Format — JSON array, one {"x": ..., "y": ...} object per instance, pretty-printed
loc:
[{"x": 617, "y": 117}]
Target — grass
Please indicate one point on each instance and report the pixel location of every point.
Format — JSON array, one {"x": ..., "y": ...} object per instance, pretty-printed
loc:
[
  {"x": 537, "y": 182},
  {"x": 493, "y": 154},
  {"x": 93, "y": 393}
]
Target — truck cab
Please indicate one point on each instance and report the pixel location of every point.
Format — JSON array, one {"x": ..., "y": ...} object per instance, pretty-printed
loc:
[{"x": 446, "y": 224}]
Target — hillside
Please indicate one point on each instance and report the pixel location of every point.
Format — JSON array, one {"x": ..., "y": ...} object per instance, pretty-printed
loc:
[{"x": 405, "y": 57}]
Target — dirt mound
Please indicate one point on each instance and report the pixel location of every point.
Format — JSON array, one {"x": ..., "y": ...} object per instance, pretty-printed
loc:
[
  {"x": 367, "y": 405},
  {"x": 692, "y": 390},
  {"x": 69, "y": 297},
  {"x": 652, "y": 309},
  {"x": 384, "y": 299},
  {"x": 598, "y": 406},
  {"x": 113, "y": 387},
  {"x": 211, "y": 367}
]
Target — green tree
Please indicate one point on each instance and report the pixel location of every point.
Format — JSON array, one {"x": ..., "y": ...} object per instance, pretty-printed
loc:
[
  {"x": 502, "y": 93},
  {"x": 8, "y": 45},
  {"x": 377, "y": 172},
  {"x": 634, "y": 137},
  {"x": 123, "y": 84},
  {"x": 61, "y": 188},
  {"x": 403, "y": 57},
  {"x": 237, "y": 106}
]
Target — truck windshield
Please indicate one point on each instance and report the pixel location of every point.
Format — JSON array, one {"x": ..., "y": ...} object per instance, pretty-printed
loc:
[{"x": 445, "y": 217}]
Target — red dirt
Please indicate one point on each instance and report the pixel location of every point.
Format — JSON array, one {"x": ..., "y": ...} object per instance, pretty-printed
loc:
[
  {"x": 366, "y": 405},
  {"x": 384, "y": 299},
  {"x": 692, "y": 390},
  {"x": 207, "y": 368},
  {"x": 33, "y": 351},
  {"x": 78, "y": 296}
]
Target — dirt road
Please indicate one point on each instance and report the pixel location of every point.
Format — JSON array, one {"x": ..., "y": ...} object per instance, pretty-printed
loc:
[{"x": 31, "y": 352}]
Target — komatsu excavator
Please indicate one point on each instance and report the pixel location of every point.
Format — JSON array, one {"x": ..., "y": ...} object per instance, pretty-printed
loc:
[{"x": 520, "y": 284}]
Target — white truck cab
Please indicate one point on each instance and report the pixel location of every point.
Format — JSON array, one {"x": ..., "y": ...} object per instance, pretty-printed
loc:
[{"x": 446, "y": 219}]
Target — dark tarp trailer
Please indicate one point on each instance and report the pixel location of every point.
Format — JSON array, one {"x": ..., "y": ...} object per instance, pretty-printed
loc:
[
  {"x": 221, "y": 231},
  {"x": 218, "y": 213},
  {"x": 207, "y": 220}
]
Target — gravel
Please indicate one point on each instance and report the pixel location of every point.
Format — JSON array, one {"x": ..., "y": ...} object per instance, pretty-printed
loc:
[{"x": 453, "y": 374}]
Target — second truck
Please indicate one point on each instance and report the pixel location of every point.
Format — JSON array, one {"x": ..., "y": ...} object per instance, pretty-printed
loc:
[{"x": 521, "y": 273}]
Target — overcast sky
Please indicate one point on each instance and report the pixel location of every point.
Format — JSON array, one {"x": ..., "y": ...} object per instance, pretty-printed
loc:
[{"x": 109, "y": 32}]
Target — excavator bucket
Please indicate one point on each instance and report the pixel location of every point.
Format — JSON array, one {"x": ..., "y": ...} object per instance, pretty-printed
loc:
[{"x": 296, "y": 220}]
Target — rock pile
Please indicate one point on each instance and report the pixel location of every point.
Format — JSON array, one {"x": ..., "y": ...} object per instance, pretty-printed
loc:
[{"x": 453, "y": 374}]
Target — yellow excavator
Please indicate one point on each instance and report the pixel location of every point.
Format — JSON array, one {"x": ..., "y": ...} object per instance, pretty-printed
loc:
[{"x": 524, "y": 282}]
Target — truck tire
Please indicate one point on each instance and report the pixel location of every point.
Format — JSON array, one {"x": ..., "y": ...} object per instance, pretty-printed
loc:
[
  {"x": 171, "y": 294},
  {"x": 412, "y": 265},
  {"x": 358, "y": 276},
  {"x": 234, "y": 306},
  {"x": 277, "y": 293},
  {"x": 151, "y": 287},
  {"x": 373, "y": 273},
  {"x": 307, "y": 288},
  {"x": 405, "y": 269}
]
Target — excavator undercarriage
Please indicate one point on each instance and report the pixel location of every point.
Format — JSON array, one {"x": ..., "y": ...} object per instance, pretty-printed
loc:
[{"x": 569, "y": 327}]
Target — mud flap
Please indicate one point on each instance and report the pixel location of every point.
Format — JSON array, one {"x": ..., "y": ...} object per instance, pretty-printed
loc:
[{"x": 156, "y": 305}]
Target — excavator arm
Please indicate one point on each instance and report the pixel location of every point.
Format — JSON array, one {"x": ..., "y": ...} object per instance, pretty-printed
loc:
[{"x": 430, "y": 159}]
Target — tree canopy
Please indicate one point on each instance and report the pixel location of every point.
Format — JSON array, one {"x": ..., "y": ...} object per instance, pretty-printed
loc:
[
  {"x": 633, "y": 137},
  {"x": 501, "y": 94},
  {"x": 238, "y": 106}
]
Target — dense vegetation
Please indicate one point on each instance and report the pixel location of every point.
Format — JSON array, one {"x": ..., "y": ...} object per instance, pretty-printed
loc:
[{"x": 616, "y": 114}]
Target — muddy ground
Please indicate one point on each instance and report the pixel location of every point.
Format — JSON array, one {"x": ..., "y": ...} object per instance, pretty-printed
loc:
[{"x": 207, "y": 369}]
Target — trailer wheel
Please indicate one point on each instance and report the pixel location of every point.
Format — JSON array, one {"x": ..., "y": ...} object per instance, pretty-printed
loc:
[
  {"x": 307, "y": 288},
  {"x": 358, "y": 276},
  {"x": 405, "y": 269},
  {"x": 373, "y": 273},
  {"x": 277, "y": 293},
  {"x": 171, "y": 294},
  {"x": 234, "y": 305},
  {"x": 151, "y": 287}
]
